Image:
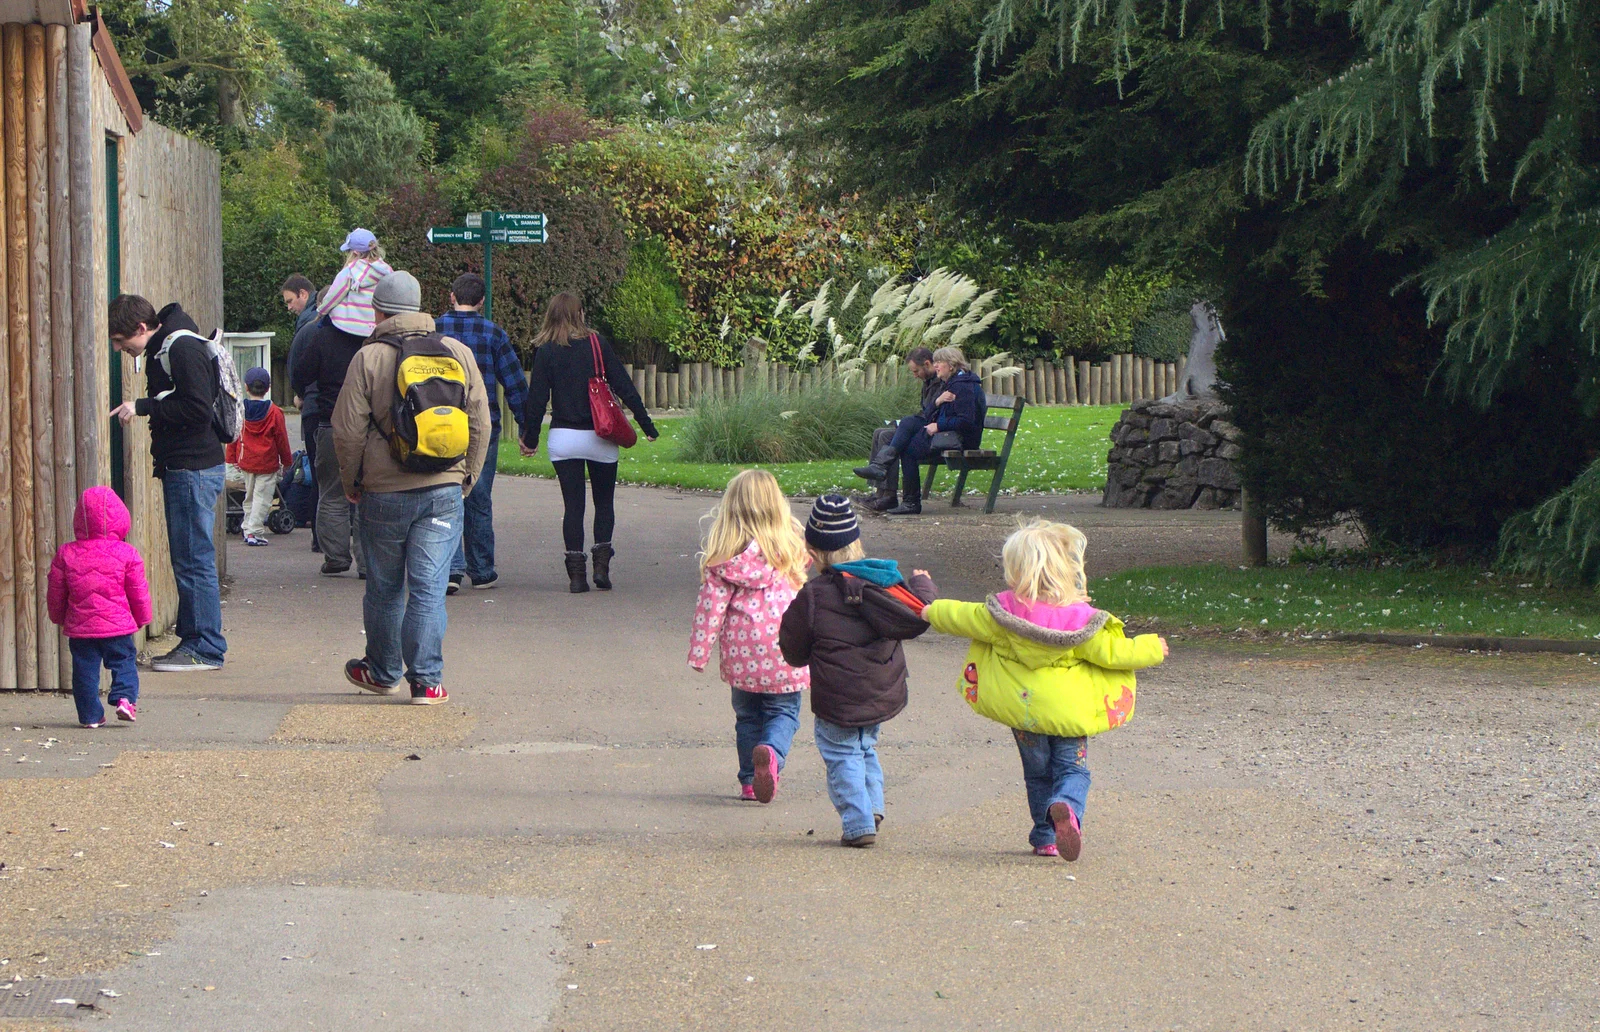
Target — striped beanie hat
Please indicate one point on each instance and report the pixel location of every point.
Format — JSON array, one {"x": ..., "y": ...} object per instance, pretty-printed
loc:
[{"x": 832, "y": 524}]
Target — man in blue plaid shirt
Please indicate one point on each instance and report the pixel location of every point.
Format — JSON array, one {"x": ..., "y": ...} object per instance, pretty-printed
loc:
[{"x": 498, "y": 363}]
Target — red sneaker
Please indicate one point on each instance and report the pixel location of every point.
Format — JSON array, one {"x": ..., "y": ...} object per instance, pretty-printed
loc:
[
  {"x": 428, "y": 695},
  {"x": 766, "y": 786},
  {"x": 126, "y": 710},
  {"x": 1069, "y": 836},
  {"x": 1049, "y": 850},
  {"x": 747, "y": 793},
  {"x": 358, "y": 673}
]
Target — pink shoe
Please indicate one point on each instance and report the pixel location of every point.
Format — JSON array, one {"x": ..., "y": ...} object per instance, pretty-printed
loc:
[
  {"x": 747, "y": 793},
  {"x": 1069, "y": 836},
  {"x": 1049, "y": 850},
  {"x": 127, "y": 711},
  {"x": 766, "y": 760},
  {"x": 91, "y": 727}
]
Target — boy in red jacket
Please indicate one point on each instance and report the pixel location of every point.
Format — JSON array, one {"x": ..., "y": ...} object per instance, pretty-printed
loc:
[{"x": 261, "y": 453}]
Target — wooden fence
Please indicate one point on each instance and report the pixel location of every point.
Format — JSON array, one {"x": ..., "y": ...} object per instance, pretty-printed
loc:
[{"x": 1120, "y": 380}]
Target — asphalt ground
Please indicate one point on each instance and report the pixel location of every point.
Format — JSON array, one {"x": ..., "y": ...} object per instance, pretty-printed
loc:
[{"x": 1285, "y": 837}]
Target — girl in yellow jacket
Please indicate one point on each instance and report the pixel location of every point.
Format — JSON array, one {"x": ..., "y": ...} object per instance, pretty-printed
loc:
[{"x": 1048, "y": 665}]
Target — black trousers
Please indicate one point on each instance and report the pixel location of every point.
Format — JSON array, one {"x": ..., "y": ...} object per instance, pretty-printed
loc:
[{"x": 603, "y": 484}]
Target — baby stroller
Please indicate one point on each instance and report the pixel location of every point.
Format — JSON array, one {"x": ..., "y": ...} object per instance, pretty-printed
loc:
[{"x": 280, "y": 520}]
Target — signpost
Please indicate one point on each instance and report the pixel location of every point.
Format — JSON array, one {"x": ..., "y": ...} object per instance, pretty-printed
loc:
[{"x": 489, "y": 228}]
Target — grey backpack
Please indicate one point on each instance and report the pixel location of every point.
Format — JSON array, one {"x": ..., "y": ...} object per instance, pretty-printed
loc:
[{"x": 227, "y": 408}]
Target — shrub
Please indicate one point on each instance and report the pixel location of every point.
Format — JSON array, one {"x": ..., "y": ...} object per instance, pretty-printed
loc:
[
  {"x": 645, "y": 310},
  {"x": 826, "y": 422},
  {"x": 1344, "y": 419},
  {"x": 275, "y": 222},
  {"x": 1558, "y": 542}
]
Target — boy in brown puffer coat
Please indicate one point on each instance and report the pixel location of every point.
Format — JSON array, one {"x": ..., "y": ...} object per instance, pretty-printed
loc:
[{"x": 847, "y": 623}]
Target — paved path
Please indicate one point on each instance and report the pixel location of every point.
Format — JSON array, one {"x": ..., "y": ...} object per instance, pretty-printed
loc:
[{"x": 1294, "y": 838}]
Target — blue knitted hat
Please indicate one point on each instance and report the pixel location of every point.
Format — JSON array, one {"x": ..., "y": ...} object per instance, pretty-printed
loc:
[{"x": 832, "y": 524}]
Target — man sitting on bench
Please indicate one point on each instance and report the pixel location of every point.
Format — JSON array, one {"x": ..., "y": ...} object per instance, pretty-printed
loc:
[
  {"x": 887, "y": 496},
  {"x": 958, "y": 414}
]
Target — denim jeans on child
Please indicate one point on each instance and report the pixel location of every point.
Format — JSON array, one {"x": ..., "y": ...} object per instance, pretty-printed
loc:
[
  {"x": 408, "y": 538},
  {"x": 1055, "y": 770},
  {"x": 475, "y": 555},
  {"x": 118, "y": 656},
  {"x": 763, "y": 718},
  {"x": 855, "y": 780},
  {"x": 190, "y": 500}
]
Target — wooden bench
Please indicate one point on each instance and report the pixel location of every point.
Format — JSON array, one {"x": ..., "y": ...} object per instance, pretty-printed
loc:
[{"x": 1005, "y": 413}]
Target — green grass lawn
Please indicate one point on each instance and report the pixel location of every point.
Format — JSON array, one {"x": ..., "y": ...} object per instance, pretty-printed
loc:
[
  {"x": 1310, "y": 599},
  {"x": 1057, "y": 449}
]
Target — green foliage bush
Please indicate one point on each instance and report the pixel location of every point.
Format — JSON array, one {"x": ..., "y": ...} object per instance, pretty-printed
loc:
[
  {"x": 825, "y": 422},
  {"x": 645, "y": 311},
  {"x": 1344, "y": 418},
  {"x": 1558, "y": 541},
  {"x": 275, "y": 222}
]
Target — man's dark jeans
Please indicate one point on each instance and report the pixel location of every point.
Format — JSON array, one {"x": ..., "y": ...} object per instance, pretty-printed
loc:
[
  {"x": 190, "y": 499},
  {"x": 912, "y": 442},
  {"x": 475, "y": 555}
]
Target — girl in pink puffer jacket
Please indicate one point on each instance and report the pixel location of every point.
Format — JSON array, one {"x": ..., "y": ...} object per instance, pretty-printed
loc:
[
  {"x": 754, "y": 562},
  {"x": 99, "y": 596}
]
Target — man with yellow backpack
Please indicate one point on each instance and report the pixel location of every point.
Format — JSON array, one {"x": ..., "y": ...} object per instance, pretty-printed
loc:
[{"x": 411, "y": 428}]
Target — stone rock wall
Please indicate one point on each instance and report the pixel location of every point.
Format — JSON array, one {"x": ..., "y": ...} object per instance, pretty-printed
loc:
[{"x": 1167, "y": 455}]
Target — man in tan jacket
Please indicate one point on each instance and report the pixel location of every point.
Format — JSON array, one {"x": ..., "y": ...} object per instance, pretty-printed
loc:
[{"x": 410, "y": 522}]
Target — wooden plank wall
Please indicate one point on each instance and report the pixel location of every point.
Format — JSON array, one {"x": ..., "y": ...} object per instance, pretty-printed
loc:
[
  {"x": 171, "y": 251},
  {"x": 53, "y": 395}
]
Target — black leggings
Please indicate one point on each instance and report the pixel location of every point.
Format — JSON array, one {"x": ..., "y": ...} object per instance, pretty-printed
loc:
[{"x": 603, "y": 479}]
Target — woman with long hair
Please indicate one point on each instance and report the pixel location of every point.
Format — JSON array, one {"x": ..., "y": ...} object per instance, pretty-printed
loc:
[{"x": 562, "y": 368}]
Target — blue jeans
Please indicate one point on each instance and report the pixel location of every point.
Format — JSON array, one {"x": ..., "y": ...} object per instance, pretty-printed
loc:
[
  {"x": 408, "y": 538},
  {"x": 190, "y": 499},
  {"x": 763, "y": 718},
  {"x": 855, "y": 780},
  {"x": 475, "y": 555},
  {"x": 118, "y": 656},
  {"x": 1056, "y": 771}
]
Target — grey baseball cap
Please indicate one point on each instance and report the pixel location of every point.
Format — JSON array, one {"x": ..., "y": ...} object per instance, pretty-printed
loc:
[{"x": 397, "y": 292}]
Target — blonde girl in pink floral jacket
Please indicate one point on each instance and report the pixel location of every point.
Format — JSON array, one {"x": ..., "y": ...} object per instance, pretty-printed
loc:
[{"x": 753, "y": 563}]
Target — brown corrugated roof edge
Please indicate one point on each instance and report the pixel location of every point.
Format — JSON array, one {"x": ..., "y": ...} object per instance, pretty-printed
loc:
[{"x": 110, "y": 64}]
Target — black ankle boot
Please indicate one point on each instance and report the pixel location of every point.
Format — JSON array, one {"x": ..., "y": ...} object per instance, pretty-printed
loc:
[
  {"x": 576, "y": 562},
  {"x": 602, "y": 565},
  {"x": 910, "y": 507}
]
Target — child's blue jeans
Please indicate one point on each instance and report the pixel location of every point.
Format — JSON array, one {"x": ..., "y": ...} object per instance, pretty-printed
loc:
[
  {"x": 117, "y": 655},
  {"x": 1055, "y": 771},
  {"x": 763, "y": 718},
  {"x": 855, "y": 780}
]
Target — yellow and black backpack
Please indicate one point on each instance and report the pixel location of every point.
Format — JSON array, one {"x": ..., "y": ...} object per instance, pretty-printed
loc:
[{"x": 429, "y": 421}]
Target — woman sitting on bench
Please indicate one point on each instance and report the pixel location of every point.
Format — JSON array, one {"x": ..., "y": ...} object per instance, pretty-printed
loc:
[{"x": 959, "y": 414}]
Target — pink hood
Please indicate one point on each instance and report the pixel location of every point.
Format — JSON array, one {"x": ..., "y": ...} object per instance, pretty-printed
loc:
[
  {"x": 97, "y": 587},
  {"x": 101, "y": 515},
  {"x": 748, "y": 569},
  {"x": 1052, "y": 618}
]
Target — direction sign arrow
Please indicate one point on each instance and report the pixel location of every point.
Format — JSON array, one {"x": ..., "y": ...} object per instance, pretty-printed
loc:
[
  {"x": 529, "y": 220},
  {"x": 454, "y": 235}
]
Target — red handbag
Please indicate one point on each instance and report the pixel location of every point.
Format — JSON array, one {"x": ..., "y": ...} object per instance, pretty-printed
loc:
[{"x": 610, "y": 424}]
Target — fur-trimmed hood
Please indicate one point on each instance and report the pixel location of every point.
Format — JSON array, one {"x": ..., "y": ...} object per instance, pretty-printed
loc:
[{"x": 1035, "y": 645}]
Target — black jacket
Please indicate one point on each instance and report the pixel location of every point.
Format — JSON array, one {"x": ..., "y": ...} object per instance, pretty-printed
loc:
[
  {"x": 297, "y": 348},
  {"x": 849, "y": 631},
  {"x": 560, "y": 380},
  {"x": 932, "y": 387},
  {"x": 323, "y": 361},
  {"x": 180, "y": 404}
]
